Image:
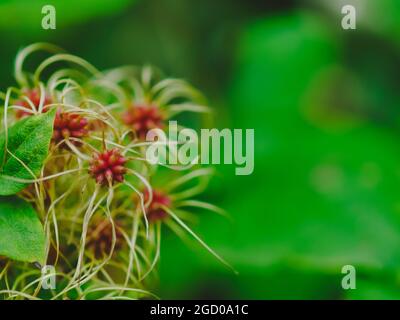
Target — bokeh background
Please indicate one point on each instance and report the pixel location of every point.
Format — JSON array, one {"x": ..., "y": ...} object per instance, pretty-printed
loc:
[{"x": 325, "y": 106}]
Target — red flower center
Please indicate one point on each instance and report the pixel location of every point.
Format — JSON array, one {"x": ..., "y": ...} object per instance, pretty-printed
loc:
[
  {"x": 108, "y": 167},
  {"x": 143, "y": 118}
]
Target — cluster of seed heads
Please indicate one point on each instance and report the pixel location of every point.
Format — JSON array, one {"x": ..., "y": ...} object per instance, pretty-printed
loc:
[{"x": 96, "y": 193}]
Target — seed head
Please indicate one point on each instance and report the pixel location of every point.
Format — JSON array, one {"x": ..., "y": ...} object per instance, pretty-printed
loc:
[
  {"x": 69, "y": 125},
  {"x": 155, "y": 212},
  {"x": 108, "y": 167},
  {"x": 101, "y": 238},
  {"x": 34, "y": 96},
  {"x": 143, "y": 118}
]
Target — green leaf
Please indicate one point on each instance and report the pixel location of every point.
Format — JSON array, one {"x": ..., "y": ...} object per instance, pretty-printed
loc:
[
  {"x": 28, "y": 141},
  {"x": 21, "y": 233}
]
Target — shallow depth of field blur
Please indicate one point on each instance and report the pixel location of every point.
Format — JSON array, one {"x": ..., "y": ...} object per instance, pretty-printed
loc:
[{"x": 325, "y": 106}]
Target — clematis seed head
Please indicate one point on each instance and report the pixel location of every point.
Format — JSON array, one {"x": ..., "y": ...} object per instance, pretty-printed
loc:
[
  {"x": 108, "y": 167},
  {"x": 101, "y": 238},
  {"x": 155, "y": 211},
  {"x": 142, "y": 118},
  {"x": 34, "y": 96},
  {"x": 69, "y": 125}
]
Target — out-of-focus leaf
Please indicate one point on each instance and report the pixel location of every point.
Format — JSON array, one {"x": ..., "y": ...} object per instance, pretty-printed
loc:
[
  {"x": 318, "y": 197},
  {"x": 381, "y": 17},
  {"x": 324, "y": 191},
  {"x": 26, "y": 15},
  {"x": 369, "y": 290}
]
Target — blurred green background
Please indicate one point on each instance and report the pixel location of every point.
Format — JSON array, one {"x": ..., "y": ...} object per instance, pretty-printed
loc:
[{"x": 325, "y": 106}]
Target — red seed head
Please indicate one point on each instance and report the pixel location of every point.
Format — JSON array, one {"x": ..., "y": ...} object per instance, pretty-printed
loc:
[
  {"x": 34, "y": 96},
  {"x": 108, "y": 167},
  {"x": 69, "y": 125},
  {"x": 155, "y": 212},
  {"x": 143, "y": 118},
  {"x": 101, "y": 237}
]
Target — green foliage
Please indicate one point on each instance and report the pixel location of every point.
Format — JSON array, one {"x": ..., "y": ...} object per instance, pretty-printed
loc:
[
  {"x": 328, "y": 191},
  {"x": 22, "y": 236},
  {"x": 380, "y": 17},
  {"x": 330, "y": 197},
  {"x": 370, "y": 290},
  {"x": 26, "y": 16},
  {"x": 29, "y": 141}
]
